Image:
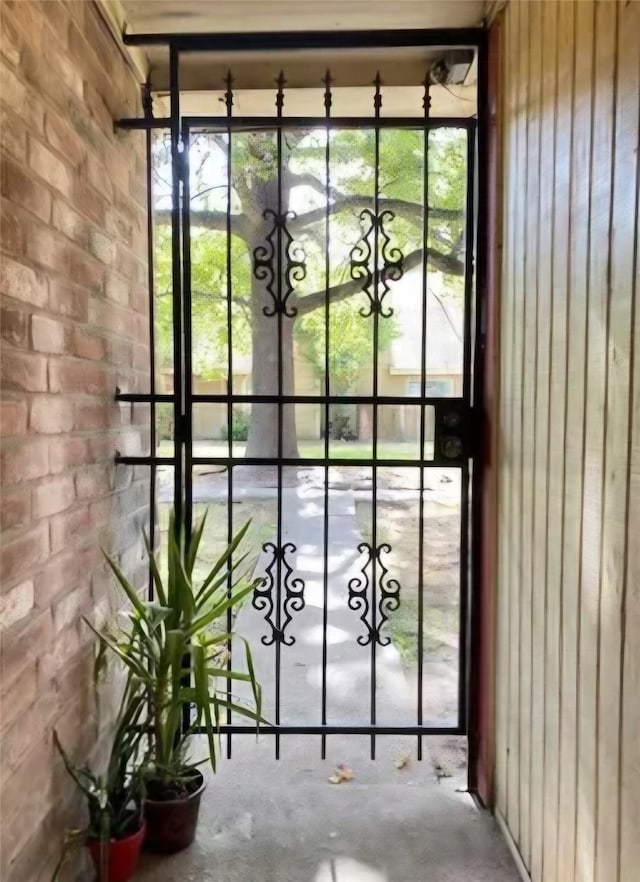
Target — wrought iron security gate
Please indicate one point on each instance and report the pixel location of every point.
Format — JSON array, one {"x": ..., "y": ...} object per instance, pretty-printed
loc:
[{"x": 399, "y": 433}]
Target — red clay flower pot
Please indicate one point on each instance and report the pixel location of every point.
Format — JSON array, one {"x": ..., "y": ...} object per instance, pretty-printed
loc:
[{"x": 119, "y": 856}]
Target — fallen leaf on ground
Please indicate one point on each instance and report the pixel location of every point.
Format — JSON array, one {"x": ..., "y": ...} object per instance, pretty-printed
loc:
[
  {"x": 341, "y": 774},
  {"x": 402, "y": 760},
  {"x": 440, "y": 772}
]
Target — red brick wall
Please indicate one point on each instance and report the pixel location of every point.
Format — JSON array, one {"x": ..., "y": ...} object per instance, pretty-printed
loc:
[{"x": 74, "y": 325}]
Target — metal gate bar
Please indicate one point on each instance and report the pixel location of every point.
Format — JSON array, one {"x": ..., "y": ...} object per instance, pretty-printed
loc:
[
  {"x": 147, "y": 106},
  {"x": 179, "y": 411},
  {"x": 229, "y": 110},
  {"x": 183, "y": 397},
  {"x": 325, "y": 521},
  {"x": 465, "y": 582},
  {"x": 377, "y": 103},
  {"x": 426, "y": 105},
  {"x": 279, "y": 310}
]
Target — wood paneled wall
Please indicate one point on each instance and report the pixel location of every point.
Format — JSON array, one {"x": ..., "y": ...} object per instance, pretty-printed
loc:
[{"x": 568, "y": 625}]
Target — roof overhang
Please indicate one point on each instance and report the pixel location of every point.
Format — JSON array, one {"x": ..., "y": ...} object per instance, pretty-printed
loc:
[{"x": 256, "y": 39}]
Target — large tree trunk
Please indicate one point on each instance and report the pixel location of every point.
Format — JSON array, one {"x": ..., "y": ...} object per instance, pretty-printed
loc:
[
  {"x": 271, "y": 334},
  {"x": 264, "y": 426}
]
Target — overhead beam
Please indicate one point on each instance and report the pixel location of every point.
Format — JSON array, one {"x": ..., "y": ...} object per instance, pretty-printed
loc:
[{"x": 291, "y": 40}]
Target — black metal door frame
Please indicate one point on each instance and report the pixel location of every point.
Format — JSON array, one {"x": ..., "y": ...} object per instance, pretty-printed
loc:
[{"x": 457, "y": 438}]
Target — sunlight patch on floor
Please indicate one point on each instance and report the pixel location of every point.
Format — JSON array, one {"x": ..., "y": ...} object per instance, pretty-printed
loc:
[{"x": 345, "y": 869}]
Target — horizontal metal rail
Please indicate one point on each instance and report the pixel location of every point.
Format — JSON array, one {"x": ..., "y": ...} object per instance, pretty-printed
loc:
[
  {"x": 334, "y": 730},
  {"x": 399, "y": 38},
  {"x": 269, "y": 124},
  {"x": 119, "y": 459},
  {"x": 309, "y": 461},
  {"x": 144, "y": 397},
  {"x": 140, "y": 123},
  {"x": 222, "y": 398},
  {"x": 251, "y": 123}
]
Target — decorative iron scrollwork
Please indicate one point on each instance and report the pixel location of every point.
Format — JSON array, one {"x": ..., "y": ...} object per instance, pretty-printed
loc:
[
  {"x": 385, "y": 267},
  {"x": 389, "y": 592},
  {"x": 292, "y": 590},
  {"x": 280, "y": 248},
  {"x": 359, "y": 592},
  {"x": 360, "y": 599}
]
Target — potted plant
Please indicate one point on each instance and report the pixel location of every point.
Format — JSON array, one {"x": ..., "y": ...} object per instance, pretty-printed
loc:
[
  {"x": 115, "y": 829},
  {"x": 174, "y": 649}
]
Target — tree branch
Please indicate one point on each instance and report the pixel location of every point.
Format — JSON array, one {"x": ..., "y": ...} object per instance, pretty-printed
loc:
[
  {"x": 458, "y": 245},
  {"x": 240, "y": 301},
  {"x": 446, "y": 313},
  {"x": 211, "y": 138},
  {"x": 411, "y": 210},
  {"x": 217, "y": 220},
  {"x": 244, "y": 302},
  {"x": 444, "y": 263},
  {"x": 209, "y": 220},
  {"x": 306, "y": 179}
]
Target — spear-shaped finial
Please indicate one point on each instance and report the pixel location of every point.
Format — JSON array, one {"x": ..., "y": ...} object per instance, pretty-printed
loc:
[
  {"x": 327, "y": 91},
  {"x": 228, "y": 95},
  {"x": 426, "y": 101},
  {"x": 377, "y": 98},
  {"x": 280, "y": 83}
]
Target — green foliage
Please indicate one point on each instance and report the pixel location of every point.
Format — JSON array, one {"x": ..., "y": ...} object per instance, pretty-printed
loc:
[
  {"x": 241, "y": 420},
  {"x": 254, "y": 170},
  {"x": 164, "y": 423},
  {"x": 447, "y": 189},
  {"x": 350, "y": 343},
  {"x": 209, "y": 301},
  {"x": 113, "y": 797},
  {"x": 163, "y": 300},
  {"x": 164, "y": 640}
]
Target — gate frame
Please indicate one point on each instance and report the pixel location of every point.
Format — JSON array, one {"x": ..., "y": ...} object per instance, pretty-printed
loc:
[{"x": 477, "y": 681}]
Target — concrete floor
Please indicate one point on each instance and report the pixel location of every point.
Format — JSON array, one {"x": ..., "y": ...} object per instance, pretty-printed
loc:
[{"x": 264, "y": 820}]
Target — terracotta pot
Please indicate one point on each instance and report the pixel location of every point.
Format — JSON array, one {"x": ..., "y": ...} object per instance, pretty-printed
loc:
[
  {"x": 171, "y": 823},
  {"x": 119, "y": 856}
]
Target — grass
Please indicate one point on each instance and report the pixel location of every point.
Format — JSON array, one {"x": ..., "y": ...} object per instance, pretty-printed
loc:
[
  {"x": 404, "y": 633},
  {"x": 262, "y": 529},
  {"x": 214, "y": 540},
  {"x": 399, "y": 528},
  {"x": 310, "y": 449}
]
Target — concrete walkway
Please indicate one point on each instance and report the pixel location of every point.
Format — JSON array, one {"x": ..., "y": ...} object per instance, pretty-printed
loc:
[
  {"x": 348, "y": 672},
  {"x": 264, "y": 820}
]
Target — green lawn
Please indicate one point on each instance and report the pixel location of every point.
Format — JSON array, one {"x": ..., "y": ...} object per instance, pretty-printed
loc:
[
  {"x": 309, "y": 449},
  {"x": 398, "y": 526},
  {"x": 261, "y": 513}
]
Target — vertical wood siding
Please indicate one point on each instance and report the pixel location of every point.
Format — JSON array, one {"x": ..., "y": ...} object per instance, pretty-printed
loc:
[{"x": 568, "y": 568}]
